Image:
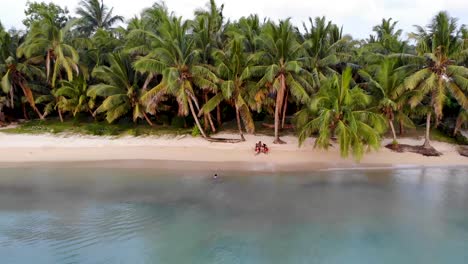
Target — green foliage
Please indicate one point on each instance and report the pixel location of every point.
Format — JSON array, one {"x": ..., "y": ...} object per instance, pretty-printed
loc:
[
  {"x": 94, "y": 15},
  {"x": 341, "y": 110},
  {"x": 39, "y": 12},
  {"x": 163, "y": 68}
]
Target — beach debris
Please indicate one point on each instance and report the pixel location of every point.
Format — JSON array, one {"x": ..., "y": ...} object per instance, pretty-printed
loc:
[{"x": 425, "y": 151}]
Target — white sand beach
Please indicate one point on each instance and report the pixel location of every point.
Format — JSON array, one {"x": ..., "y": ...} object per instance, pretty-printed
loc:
[{"x": 19, "y": 149}]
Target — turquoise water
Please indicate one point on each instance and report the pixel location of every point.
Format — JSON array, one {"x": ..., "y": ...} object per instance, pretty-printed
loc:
[{"x": 93, "y": 215}]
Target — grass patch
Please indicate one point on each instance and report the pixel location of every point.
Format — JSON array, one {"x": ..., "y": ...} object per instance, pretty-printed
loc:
[{"x": 94, "y": 128}]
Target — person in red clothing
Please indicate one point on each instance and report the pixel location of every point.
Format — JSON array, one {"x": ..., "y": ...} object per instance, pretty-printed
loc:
[
  {"x": 265, "y": 148},
  {"x": 258, "y": 147}
]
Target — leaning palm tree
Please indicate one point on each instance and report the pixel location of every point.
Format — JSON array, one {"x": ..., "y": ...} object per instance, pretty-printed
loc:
[
  {"x": 234, "y": 71},
  {"x": 95, "y": 15},
  {"x": 176, "y": 58},
  {"x": 208, "y": 31},
  {"x": 46, "y": 43},
  {"x": 436, "y": 75},
  {"x": 385, "y": 82},
  {"x": 341, "y": 110},
  {"x": 19, "y": 76},
  {"x": 119, "y": 88},
  {"x": 282, "y": 69},
  {"x": 17, "y": 73}
]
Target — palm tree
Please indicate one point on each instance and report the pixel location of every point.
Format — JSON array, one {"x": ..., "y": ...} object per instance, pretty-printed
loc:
[
  {"x": 282, "y": 69},
  {"x": 385, "y": 81},
  {"x": 340, "y": 110},
  {"x": 18, "y": 76},
  {"x": 46, "y": 42},
  {"x": 208, "y": 32},
  {"x": 388, "y": 37},
  {"x": 250, "y": 28},
  {"x": 17, "y": 73},
  {"x": 74, "y": 98},
  {"x": 436, "y": 75},
  {"x": 233, "y": 69},
  {"x": 95, "y": 15},
  {"x": 176, "y": 58},
  {"x": 322, "y": 43},
  {"x": 120, "y": 89},
  {"x": 462, "y": 120}
]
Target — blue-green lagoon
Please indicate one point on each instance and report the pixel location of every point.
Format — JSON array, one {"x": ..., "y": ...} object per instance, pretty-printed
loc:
[{"x": 130, "y": 215}]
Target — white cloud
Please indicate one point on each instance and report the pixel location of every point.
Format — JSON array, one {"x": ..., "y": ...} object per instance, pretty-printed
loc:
[{"x": 357, "y": 16}]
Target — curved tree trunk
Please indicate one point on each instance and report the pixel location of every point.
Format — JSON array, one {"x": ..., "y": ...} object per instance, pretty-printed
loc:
[
  {"x": 196, "y": 118},
  {"x": 208, "y": 119},
  {"x": 285, "y": 107},
  {"x": 427, "y": 143},
  {"x": 25, "y": 113},
  {"x": 147, "y": 119},
  {"x": 218, "y": 115},
  {"x": 279, "y": 103},
  {"x": 239, "y": 126},
  {"x": 213, "y": 128},
  {"x": 29, "y": 96},
  {"x": 390, "y": 122},
  {"x": 60, "y": 114}
]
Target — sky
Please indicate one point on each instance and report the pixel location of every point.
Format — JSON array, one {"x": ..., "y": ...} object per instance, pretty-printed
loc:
[{"x": 357, "y": 16}]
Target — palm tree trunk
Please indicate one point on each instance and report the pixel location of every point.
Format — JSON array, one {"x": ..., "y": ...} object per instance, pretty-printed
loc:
[
  {"x": 25, "y": 113},
  {"x": 239, "y": 126},
  {"x": 196, "y": 118},
  {"x": 92, "y": 114},
  {"x": 458, "y": 125},
  {"x": 147, "y": 119},
  {"x": 208, "y": 119},
  {"x": 147, "y": 81},
  {"x": 390, "y": 122},
  {"x": 279, "y": 103},
  {"x": 401, "y": 128},
  {"x": 427, "y": 143},
  {"x": 218, "y": 115},
  {"x": 213, "y": 128},
  {"x": 60, "y": 114},
  {"x": 285, "y": 107}
]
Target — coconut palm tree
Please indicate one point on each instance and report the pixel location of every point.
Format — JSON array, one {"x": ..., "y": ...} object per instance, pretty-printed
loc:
[
  {"x": 385, "y": 82},
  {"x": 94, "y": 15},
  {"x": 19, "y": 76},
  {"x": 46, "y": 43},
  {"x": 233, "y": 68},
  {"x": 17, "y": 73},
  {"x": 322, "y": 43},
  {"x": 74, "y": 98},
  {"x": 175, "y": 57},
  {"x": 341, "y": 110},
  {"x": 208, "y": 32},
  {"x": 119, "y": 88},
  {"x": 462, "y": 120},
  {"x": 281, "y": 54},
  {"x": 436, "y": 75}
]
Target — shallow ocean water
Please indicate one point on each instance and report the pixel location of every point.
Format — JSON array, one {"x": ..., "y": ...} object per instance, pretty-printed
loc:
[{"x": 103, "y": 215}]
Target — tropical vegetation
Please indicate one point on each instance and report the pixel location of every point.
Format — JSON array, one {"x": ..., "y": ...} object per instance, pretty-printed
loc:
[{"x": 202, "y": 73}]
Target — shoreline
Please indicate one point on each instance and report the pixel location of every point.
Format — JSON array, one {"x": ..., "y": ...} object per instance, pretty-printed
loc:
[{"x": 186, "y": 152}]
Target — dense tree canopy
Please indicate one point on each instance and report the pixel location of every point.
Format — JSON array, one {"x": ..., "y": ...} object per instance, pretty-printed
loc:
[{"x": 253, "y": 72}]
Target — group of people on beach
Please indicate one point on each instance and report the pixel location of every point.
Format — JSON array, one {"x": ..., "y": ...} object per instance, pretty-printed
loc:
[{"x": 261, "y": 148}]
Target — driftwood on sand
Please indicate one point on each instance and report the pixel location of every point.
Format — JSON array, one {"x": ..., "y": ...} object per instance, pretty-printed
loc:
[
  {"x": 286, "y": 126},
  {"x": 224, "y": 140},
  {"x": 425, "y": 151},
  {"x": 463, "y": 150}
]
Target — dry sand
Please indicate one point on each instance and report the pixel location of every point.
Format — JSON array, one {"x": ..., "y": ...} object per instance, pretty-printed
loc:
[{"x": 18, "y": 150}]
